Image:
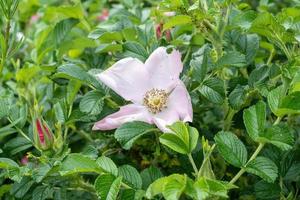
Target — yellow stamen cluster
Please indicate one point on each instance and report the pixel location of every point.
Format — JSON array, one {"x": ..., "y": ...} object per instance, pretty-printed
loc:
[{"x": 155, "y": 100}]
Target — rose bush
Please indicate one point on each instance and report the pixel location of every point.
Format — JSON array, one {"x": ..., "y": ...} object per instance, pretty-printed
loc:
[{"x": 139, "y": 99}]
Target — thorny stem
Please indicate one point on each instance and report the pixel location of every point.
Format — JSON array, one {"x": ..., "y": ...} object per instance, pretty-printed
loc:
[
  {"x": 228, "y": 120},
  {"x": 254, "y": 155}
]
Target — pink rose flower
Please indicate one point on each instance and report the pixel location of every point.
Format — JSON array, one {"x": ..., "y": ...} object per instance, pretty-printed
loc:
[
  {"x": 159, "y": 32},
  {"x": 24, "y": 160},
  {"x": 157, "y": 94},
  {"x": 34, "y": 18},
  {"x": 104, "y": 15}
]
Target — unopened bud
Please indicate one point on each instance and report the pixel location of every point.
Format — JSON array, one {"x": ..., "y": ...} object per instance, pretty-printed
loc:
[{"x": 43, "y": 136}]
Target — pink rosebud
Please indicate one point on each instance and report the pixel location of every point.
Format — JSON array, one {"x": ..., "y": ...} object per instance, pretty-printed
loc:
[
  {"x": 157, "y": 94},
  {"x": 42, "y": 135},
  {"x": 24, "y": 160},
  {"x": 159, "y": 29},
  {"x": 168, "y": 35},
  {"x": 104, "y": 15},
  {"x": 34, "y": 18}
]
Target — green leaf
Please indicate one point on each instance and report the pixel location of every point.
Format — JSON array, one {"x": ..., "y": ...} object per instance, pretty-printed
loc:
[
  {"x": 232, "y": 58},
  {"x": 55, "y": 14},
  {"x": 40, "y": 172},
  {"x": 6, "y": 163},
  {"x": 128, "y": 133},
  {"x": 92, "y": 103},
  {"x": 255, "y": 119},
  {"x": 174, "y": 187},
  {"x": 237, "y": 97},
  {"x": 62, "y": 29},
  {"x": 72, "y": 90},
  {"x": 109, "y": 31},
  {"x": 72, "y": 71},
  {"x": 207, "y": 188},
  {"x": 17, "y": 144},
  {"x": 20, "y": 189},
  {"x": 290, "y": 104},
  {"x": 130, "y": 176},
  {"x": 149, "y": 175},
  {"x": 4, "y": 188},
  {"x": 4, "y": 107},
  {"x": 42, "y": 192},
  {"x": 265, "y": 190},
  {"x": 177, "y": 20},
  {"x": 267, "y": 25},
  {"x": 107, "y": 165},
  {"x": 174, "y": 142},
  {"x": 296, "y": 82},
  {"x": 213, "y": 90},
  {"x": 264, "y": 168},
  {"x": 293, "y": 173},
  {"x": 77, "y": 163},
  {"x": 274, "y": 99},
  {"x": 183, "y": 138},
  {"x": 247, "y": 45},
  {"x": 171, "y": 187},
  {"x": 201, "y": 63},
  {"x": 258, "y": 76},
  {"x": 108, "y": 186},
  {"x": 59, "y": 113},
  {"x": 244, "y": 19},
  {"x": 27, "y": 74},
  {"x": 279, "y": 136},
  {"x": 135, "y": 50},
  {"x": 104, "y": 48},
  {"x": 231, "y": 148},
  {"x": 131, "y": 194}
]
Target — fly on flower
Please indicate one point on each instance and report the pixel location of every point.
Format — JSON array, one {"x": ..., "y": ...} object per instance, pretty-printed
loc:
[{"x": 157, "y": 94}]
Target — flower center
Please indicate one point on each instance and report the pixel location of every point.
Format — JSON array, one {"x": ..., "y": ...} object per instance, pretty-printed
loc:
[{"x": 155, "y": 100}]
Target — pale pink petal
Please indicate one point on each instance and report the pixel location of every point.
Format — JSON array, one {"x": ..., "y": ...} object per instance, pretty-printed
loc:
[
  {"x": 164, "y": 68},
  {"x": 128, "y": 113},
  {"x": 128, "y": 78},
  {"x": 179, "y": 107},
  {"x": 165, "y": 118},
  {"x": 180, "y": 101}
]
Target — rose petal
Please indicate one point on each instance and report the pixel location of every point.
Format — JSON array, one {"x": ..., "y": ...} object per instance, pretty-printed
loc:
[
  {"x": 165, "y": 118},
  {"x": 128, "y": 78},
  {"x": 179, "y": 107},
  {"x": 164, "y": 68},
  {"x": 128, "y": 113},
  {"x": 180, "y": 101}
]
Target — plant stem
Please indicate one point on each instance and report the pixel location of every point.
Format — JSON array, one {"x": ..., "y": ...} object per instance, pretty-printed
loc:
[
  {"x": 254, "y": 155},
  {"x": 193, "y": 163},
  {"x": 277, "y": 120},
  {"x": 272, "y": 53},
  {"x": 228, "y": 119},
  {"x": 86, "y": 186},
  {"x": 20, "y": 131},
  {"x": 5, "y": 51},
  {"x": 125, "y": 185},
  {"x": 242, "y": 170},
  {"x": 206, "y": 159}
]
